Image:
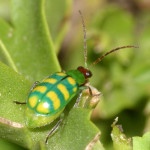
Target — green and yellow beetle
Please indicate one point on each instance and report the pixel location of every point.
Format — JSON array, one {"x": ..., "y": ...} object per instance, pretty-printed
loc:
[{"x": 48, "y": 99}]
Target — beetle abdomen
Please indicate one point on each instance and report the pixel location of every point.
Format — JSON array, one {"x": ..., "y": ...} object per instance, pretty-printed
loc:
[{"x": 52, "y": 94}]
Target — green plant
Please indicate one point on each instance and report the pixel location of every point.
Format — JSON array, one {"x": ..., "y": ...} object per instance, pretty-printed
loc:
[{"x": 28, "y": 52}]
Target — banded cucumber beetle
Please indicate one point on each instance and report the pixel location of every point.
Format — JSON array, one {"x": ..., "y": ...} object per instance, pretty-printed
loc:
[{"x": 47, "y": 99}]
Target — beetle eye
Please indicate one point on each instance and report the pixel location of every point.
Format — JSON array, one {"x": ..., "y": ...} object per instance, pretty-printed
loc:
[{"x": 88, "y": 74}]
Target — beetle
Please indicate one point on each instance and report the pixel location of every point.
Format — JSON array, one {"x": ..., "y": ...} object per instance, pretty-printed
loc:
[{"x": 47, "y": 99}]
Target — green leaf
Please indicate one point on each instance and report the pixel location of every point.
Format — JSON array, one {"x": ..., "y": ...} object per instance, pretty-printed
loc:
[
  {"x": 9, "y": 146},
  {"x": 14, "y": 87},
  {"x": 120, "y": 140},
  {"x": 29, "y": 42},
  {"x": 58, "y": 17},
  {"x": 140, "y": 143},
  {"x": 76, "y": 133},
  {"x": 5, "y": 32}
]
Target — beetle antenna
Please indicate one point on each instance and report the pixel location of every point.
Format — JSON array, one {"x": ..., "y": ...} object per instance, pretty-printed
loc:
[
  {"x": 111, "y": 51},
  {"x": 84, "y": 39}
]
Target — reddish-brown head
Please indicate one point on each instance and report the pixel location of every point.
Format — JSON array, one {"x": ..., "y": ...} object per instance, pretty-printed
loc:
[{"x": 87, "y": 73}]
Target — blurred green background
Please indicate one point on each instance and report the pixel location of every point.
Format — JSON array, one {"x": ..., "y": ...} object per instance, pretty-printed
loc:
[{"x": 122, "y": 77}]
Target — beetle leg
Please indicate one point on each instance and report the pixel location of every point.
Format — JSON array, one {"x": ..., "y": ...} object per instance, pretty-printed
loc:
[
  {"x": 94, "y": 96},
  {"x": 34, "y": 85},
  {"x": 92, "y": 90},
  {"x": 78, "y": 100},
  {"x": 16, "y": 102},
  {"x": 53, "y": 130}
]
